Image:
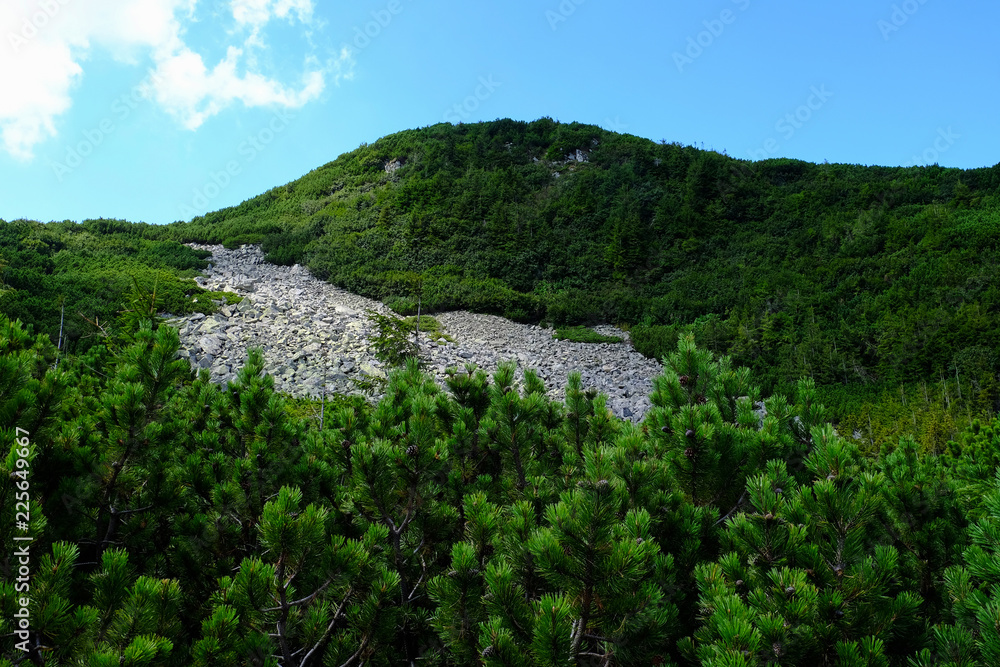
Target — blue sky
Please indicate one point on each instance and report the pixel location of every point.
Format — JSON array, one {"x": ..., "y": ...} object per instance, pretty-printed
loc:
[{"x": 159, "y": 110}]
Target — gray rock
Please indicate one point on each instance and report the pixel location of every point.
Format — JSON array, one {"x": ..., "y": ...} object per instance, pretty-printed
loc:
[
  {"x": 213, "y": 324},
  {"x": 210, "y": 344},
  {"x": 314, "y": 332}
]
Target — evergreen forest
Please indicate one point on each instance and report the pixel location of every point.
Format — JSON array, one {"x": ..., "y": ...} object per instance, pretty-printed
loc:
[{"x": 817, "y": 482}]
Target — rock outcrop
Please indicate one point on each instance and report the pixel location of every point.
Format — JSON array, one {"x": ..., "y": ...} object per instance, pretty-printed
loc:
[{"x": 315, "y": 338}]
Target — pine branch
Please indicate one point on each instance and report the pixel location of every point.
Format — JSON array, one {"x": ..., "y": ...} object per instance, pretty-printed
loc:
[
  {"x": 300, "y": 601},
  {"x": 576, "y": 636},
  {"x": 416, "y": 586},
  {"x": 350, "y": 661},
  {"x": 380, "y": 506},
  {"x": 283, "y": 617},
  {"x": 329, "y": 630},
  {"x": 732, "y": 511}
]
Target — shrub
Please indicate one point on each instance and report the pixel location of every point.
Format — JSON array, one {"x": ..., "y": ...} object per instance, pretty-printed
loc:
[
  {"x": 391, "y": 340},
  {"x": 584, "y": 335},
  {"x": 403, "y": 305},
  {"x": 654, "y": 341},
  {"x": 430, "y": 326}
]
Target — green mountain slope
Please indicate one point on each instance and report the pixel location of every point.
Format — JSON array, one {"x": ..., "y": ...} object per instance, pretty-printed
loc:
[
  {"x": 843, "y": 272},
  {"x": 81, "y": 282},
  {"x": 160, "y": 519}
]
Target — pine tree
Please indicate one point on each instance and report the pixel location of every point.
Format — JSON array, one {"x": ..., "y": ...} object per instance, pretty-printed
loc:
[
  {"x": 391, "y": 340},
  {"x": 312, "y": 599},
  {"x": 398, "y": 472},
  {"x": 689, "y": 534},
  {"x": 607, "y": 576},
  {"x": 30, "y": 391},
  {"x": 808, "y": 575},
  {"x": 973, "y": 458},
  {"x": 511, "y": 428},
  {"x": 137, "y": 624},
  {"x": 131, "y": 620},
  {"x": 30, "y": 397},
  {"x": 129, "y": 478},
  {"x": 263, "y": 444},
  {"x": 704, "y": 423},
  {"x": 973, "y": 588},
  {"x": 922, "y": 516},
  {"x": 460, "y": 593},
  {"x": 471, "y": 399},
  {"x": 579, "y": 408}
]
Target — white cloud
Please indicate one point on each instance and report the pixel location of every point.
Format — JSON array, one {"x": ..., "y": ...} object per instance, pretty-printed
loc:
[
  {"x": 255, "y": 14},
  {"x": 259, "y": 12},
  {"x": 45, "y": 44},
  {"x": 33, "y": 97},
  {"x": 185, "y": 87}
]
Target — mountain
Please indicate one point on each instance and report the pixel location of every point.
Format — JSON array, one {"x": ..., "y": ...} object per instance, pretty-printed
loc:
[
  {"x": 162, "y": 518},
  {"x": 876, "y": 282},
  {"x": 847, "y": 273}
]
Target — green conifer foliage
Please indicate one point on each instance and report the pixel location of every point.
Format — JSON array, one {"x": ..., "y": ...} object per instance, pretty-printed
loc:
[
  {"x": 138, "y": 624},
  {"x": 132, "y": 620},
  {"x": 392, "y": 340},
  {"x": 860, "y": 569},
  {"x": 922, "y": 516},
  {"x": 973, "y": 635},
  {"x": 699, "y": 435},
  {"x": 512, "y": 432},
  {"x": 608, "y": 573},
  {"x": 313, "y": 599},
  {"x": 579, "y": 408},
  {"x": 175, "y": 522},
  {"x": 517, "y": 568},
  {"x": 263, "y": 443},
  {"x": 808, "y": 576},
  {"x": 62, "y": 632},
  {"x": 31, "y": 392},
  {"x": 705, "y": 426},
  {"x": 30, "y": 397},
  {"x": 460, "y": 593},
  {"x": 973, "y": 459},
  {"x": 469, "y": 459},
  {"x": 399, "y": 476},
  {"x": 129, "y": 477}
]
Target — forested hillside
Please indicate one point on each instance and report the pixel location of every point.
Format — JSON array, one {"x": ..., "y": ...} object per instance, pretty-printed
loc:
[
  {"x": 844, "y": 273},
  {"x": 163, "y": 520},
  {"x": 878, "y": 283},
  {"x": 72, "y": 281},
  {"x": 151, "y": 517}
]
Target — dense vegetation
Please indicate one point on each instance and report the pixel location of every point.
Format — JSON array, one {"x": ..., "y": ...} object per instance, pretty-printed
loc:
[
  {"x": 71, "y": 281},
  {"x": 878, "y": 283},
  {"x": 840, "y": 272},
  {"x": 175, "y": 522}
]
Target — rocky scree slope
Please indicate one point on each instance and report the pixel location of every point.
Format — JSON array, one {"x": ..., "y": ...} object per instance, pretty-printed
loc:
[{"x": 315, "y": 338}]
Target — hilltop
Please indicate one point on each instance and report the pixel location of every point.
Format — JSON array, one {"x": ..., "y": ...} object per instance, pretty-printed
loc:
[
  {"x": 876, "y": 282},
  {"x": 488, "y": 507},
  {"x": 846, "y": 273}
]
